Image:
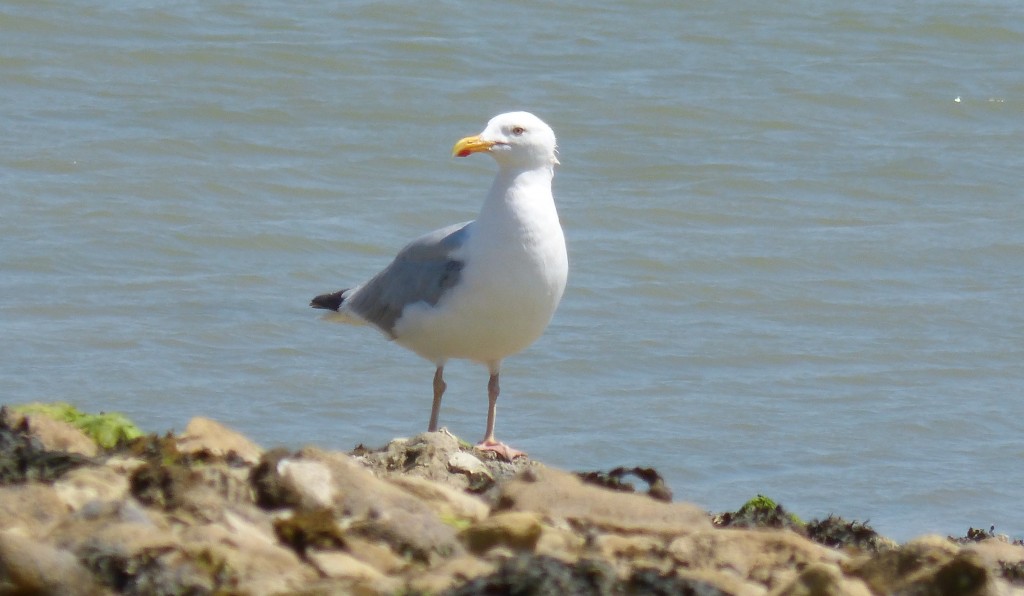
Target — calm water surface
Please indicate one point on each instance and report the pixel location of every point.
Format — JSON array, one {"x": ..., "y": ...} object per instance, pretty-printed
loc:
[{"x": 796, "y": 233}]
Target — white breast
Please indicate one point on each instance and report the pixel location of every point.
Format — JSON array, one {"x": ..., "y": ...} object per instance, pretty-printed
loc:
[{"x": 514, "y": 276}]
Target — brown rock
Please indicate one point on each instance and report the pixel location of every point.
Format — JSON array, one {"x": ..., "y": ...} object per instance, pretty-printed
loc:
[
  {"x": 85, "y": 485},
  {"x": 378, "y": 509},
  {"x": 339, "y": 565},
  {"x": 724, "y": 581},
  {"x": 321, "y": 523},
  {"x": 247, "y": 555},
  {"x": 198, "y": 492},
  {"x": 766, "y": 557},
  {"x": 967, "y": 573},
  {"x": 309, "y": 481},
  {"x": 124, "y": 464},
  {"x": 995, "y": 551},
  {"x": 932, "y": 565},
  {"x": 32, "y": 567},
  {"x": 453, "y": 572},
  {"x": 819, "y": 579},
  {"x": 472, "y": 468},
  {"x": 892, "y": 571},
  {"x": 447, "y": 502},
  {"x": 30, "y": 508},
  {"x": 628, "y": 552},
  {"x": 56, "y": 435},
  {"x": 110, "y": 534},
  {"x": 131, "y": 548},
  {"x": 375, "y": 554},
  {"x": 560, "y": 542},
  {"x": 441, "y": 457},
  {"x": 616, "y": 546},
  {"x": 423, "y": 456},
  {"x": 147, "y": 551},
  {"x": 515, "y": 530},
  {"x": 559, "y": 495},
  {"x": 210, "y": 436}
]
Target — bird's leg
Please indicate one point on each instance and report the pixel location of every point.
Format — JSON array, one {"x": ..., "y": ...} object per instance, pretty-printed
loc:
[
  {"x": 493, "y": 389},
  {"x": 490, "y": 443},
  {"x": 439, "y": 387}
]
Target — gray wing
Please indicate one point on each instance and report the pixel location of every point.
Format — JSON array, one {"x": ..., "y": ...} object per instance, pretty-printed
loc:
[{"x": 421, "y": 272}]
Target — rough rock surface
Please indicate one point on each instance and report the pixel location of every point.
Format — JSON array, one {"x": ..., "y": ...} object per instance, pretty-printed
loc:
[{"x": 210, "y": 512}]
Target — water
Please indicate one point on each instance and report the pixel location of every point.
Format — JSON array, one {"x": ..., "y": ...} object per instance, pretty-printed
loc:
[{"x": 796, "y": 235}]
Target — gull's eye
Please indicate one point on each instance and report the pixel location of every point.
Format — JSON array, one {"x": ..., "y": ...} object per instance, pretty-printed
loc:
[{"x": 518, "y": 130}]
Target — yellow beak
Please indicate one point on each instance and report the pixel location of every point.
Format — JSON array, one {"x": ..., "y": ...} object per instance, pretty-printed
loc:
[{"x": 473, "y": 144}]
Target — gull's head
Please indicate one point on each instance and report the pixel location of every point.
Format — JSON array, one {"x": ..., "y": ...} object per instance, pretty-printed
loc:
[{"x": 517, "y": 139}]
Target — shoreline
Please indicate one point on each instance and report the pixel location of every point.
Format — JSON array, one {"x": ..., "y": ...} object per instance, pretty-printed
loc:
[{"x": 91, "y": 505}]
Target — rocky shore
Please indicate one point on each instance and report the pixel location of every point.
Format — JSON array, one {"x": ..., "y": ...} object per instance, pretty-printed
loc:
[{"x": 89, "y": 506}]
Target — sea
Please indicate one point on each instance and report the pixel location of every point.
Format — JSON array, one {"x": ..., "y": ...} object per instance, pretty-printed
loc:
[{"x": 795, "y": 231}]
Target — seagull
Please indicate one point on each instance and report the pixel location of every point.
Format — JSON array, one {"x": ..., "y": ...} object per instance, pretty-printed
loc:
[{"x": 481, "y": 290}]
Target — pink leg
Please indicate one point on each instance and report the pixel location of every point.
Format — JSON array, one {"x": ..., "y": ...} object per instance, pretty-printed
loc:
[
  {"x": 439, "y": 387},
  {"x": 493, "y": 389},
  {"x": 490, "y": 443}
]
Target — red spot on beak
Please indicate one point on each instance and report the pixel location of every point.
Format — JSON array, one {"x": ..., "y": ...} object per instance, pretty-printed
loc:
[{"x": 464, "y": 153}]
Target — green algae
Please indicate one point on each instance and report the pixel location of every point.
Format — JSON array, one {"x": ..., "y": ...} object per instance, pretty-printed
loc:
[
  {"x": 107, "y": 429},
  {"x": 760, "y": 512}
]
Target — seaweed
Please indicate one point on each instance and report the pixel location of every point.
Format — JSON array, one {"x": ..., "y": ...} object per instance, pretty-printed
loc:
[
  {"x": 656, "y": 487},
  {"x": 107, "y": 429}
]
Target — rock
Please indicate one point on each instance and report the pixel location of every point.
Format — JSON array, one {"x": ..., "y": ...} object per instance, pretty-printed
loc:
[
  {"x": 423, "y": 456},
  {"x": 450, "y": 574},
  {"x": 966, "y": 573},
  {"x": 55, "y": 435},
  {"x": 376, "y": 554},
  {"x": 199, "y": 491},
  {"x": 309, "y": 481},
  {"x": 205, "y": 435},
  {"x": 197, "y": 515},
  {"x": 478, "y": 476},
  {"x": 560, "y": 541},
  {"x": 124, "y": 464},
  {"x": 515, "y": 530},
  {"x": 449, "y": 504},
  {"x": 559, "y": 495},
  {"x": 628, "y": 547},
  {"x": 271, "y": 490},
  {"x": 306, "y": 529},
  {"x": 930, "y": 565},
  {"x": 339, "y": 565},
  {"x": 819, "y": 579},
  {"x": 84, "y": 485},
  {"x": 441, "y": 457},
  {"x": 768, "y": 558},
  {"x": 529, "y": 574},
  {"x": 144, "y": 551},
  {"x": 249, "y": 526},
  {"x": 244, "y": 556},
  {"x": 30, "y": 509},
  {"x": 996, "y": 551},
  {"x": 376, "y": 508},
  {"x": 32, "y": 567},
  {"x": 129, "y": 550},
  {"x": 24, "y": 458},
  {"x": 712, "y": 582}
]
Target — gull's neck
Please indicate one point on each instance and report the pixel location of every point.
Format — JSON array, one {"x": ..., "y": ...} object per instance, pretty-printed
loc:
[
  {"x": 518, "y": 191},
  {"x": 519, "y": 212}
]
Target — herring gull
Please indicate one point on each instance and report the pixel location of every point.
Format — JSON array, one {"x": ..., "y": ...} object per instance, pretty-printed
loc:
[{"x": 480, "y": 290}]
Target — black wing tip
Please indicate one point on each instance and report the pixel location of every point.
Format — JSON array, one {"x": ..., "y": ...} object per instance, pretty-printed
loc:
[{"x": 330, "y": 301}]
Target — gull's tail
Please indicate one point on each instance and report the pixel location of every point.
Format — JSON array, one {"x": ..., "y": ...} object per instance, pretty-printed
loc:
[{"x": 330, "y": 301}]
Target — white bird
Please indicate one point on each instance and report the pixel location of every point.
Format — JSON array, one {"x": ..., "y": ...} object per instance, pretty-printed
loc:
[{"x": 481, "y": 290}]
